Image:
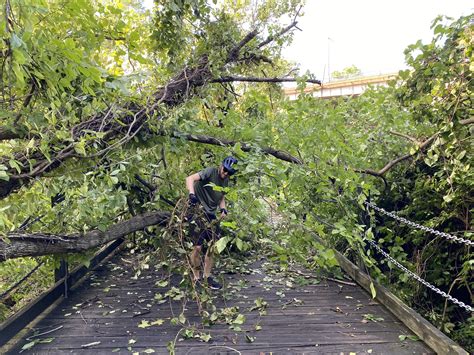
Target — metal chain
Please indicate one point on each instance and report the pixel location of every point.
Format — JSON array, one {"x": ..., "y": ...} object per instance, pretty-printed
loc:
[
  {"x": 419, "y": 279},
  {"x": 419, "y": 226}
]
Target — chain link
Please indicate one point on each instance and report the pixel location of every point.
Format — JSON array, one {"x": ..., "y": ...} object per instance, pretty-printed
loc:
[
  {"x": 419, "y": 279},
  {"x": 419, "y": 226}
]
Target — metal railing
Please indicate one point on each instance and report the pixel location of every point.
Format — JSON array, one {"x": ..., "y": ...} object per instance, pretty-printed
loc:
[{"x": 407, "y": 272}]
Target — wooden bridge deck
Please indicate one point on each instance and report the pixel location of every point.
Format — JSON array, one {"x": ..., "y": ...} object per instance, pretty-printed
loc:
[{"x": 104, "y": 313}]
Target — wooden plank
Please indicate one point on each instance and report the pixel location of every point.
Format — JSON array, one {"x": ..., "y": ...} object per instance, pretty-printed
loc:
[
  {"x": 119, "y": 301},
  {"x": 276, "y": 322},
  {"x": 82, "y": 329},
  {"x": 315, "y": 313},
  {"x": 258, "y": 349},
  {"x": 156, "y": 339}
]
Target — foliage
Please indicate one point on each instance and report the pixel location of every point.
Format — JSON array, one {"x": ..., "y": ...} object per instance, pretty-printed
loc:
[
  {"x": 12, "y": 271},
  {"x": 437, "y": 191}
]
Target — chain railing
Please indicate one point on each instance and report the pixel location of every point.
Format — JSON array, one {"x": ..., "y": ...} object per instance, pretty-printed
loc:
[
  {"x": 403, "y": 268},
  {"x": 419, "y": 226},
  {"x": 418, "y": 278}
]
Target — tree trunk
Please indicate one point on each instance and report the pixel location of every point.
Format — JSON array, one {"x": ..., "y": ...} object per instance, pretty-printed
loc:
[{"x": 35, "y": 244}]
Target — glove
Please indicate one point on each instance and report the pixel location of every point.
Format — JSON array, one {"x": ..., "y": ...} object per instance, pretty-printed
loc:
[
  {"x": 193, "y": 200},
  {"x": 223, "y": 210}
]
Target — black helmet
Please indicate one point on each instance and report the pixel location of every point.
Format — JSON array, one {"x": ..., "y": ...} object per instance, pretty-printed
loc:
[{"x": 227, "y": 165}]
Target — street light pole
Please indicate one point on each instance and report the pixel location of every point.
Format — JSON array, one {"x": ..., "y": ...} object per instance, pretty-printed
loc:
[{"x": 329, "y": 59}]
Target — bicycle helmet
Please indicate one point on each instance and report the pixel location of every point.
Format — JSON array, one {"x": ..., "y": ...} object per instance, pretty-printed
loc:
[{"x": 227, "y": 165}]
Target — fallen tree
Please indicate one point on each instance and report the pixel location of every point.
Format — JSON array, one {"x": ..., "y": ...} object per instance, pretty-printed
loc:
[
  {"x": 36, "y": 244},
  {"x": 119, "y": 124}
]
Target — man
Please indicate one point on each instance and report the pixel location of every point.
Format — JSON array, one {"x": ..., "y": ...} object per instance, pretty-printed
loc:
[{"x": 201, "y": 191}]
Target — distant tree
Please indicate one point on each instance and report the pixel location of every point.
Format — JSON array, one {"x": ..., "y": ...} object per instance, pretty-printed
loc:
[{"x": 346, "y": 73}]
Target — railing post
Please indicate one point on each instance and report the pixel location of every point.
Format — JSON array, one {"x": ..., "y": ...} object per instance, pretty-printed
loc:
[{"x": 62, "y": 273}]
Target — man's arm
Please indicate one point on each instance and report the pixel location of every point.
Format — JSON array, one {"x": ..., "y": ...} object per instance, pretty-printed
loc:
[{"x": 190, "y": 180}]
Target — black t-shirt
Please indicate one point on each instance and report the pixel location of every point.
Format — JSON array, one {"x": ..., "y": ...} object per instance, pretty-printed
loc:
[{"x": 204, "y": 191}]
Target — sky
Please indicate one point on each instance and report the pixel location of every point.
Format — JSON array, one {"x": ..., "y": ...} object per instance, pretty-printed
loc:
[{"x": 370, "y": 34}]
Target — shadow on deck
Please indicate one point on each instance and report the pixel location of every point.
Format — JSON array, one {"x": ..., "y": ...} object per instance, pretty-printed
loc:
[{"x": 113, "y": 312}]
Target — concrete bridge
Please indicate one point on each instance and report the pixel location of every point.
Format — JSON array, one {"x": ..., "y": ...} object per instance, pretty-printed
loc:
[{"x": 345, "y": 87}]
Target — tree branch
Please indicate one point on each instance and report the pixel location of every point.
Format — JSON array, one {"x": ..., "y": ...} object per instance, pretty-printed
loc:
[
  {"x": 279, "y": 34},
  {"x": 279, "y": 154},
  {"x": 122, "y": 124},
  {"x": 467, "y": 121},
  {"x": 28, "y": 99},
  {"x": 282, "y": 155},
  {"x": 413, "y": 139},
  {"x": 234, "y": 52},
  {"x": 422, "y": 146},
  {"x": 36, "y": 244}
]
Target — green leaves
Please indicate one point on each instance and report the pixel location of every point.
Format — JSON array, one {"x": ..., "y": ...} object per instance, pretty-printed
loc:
[
  {"x": 372, "y": 290},
  {"x": 222, "y": 243},
  {"x": 75, "y": 61},
  {"x": 239, "y": 320},
  {"x": 410, "y": 337},
  {"x": 372, "y": 318},
  {"x": 3, "y": 173},
  {"x": 147, "y": 324},
  {"x": 31, "y": 344}
]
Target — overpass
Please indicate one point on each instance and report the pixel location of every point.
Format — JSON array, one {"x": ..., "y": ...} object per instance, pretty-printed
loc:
[{"x": 345, "y": 87}]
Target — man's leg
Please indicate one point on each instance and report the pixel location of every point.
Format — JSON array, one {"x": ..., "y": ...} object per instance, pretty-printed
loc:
[
  {"x": 208, "y": 263},
  {"x": 195, "y": 259},
  {"x": 213, "y": 234}
]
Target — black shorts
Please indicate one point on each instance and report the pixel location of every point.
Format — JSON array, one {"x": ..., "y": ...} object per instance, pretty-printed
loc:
[{"x": 204, "y": 229}]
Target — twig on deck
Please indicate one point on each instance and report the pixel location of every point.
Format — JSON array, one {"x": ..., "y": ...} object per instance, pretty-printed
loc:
[
  {"x": 226, "y": 347},
  {"x": 341, "y": 282},
  {"x": 44, "y": 333}
]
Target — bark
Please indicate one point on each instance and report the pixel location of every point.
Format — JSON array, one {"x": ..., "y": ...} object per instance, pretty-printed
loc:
[
  {"x": 246, "y": 147},
  {"x": 467, "y": 121},
  {"x": 234, "y": 53},
  {"x": 380, "y": 173},
  {"x": 37, "y": 244}
]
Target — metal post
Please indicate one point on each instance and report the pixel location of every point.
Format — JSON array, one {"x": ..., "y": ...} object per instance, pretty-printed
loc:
[{"x": 62, "y": 273}]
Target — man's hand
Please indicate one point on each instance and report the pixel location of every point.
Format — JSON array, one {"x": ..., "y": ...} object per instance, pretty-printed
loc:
[{"x": 193, "y": 200}]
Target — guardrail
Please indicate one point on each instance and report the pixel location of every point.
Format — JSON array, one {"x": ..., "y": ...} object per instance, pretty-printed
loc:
[{"x": 64, "y": 282}]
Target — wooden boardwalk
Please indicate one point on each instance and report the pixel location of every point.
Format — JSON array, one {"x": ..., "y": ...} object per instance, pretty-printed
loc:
[{"x": 113, "y": 312}]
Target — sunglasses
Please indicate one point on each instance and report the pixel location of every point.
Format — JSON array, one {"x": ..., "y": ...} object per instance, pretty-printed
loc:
[{"x": 230, "y": 172}]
